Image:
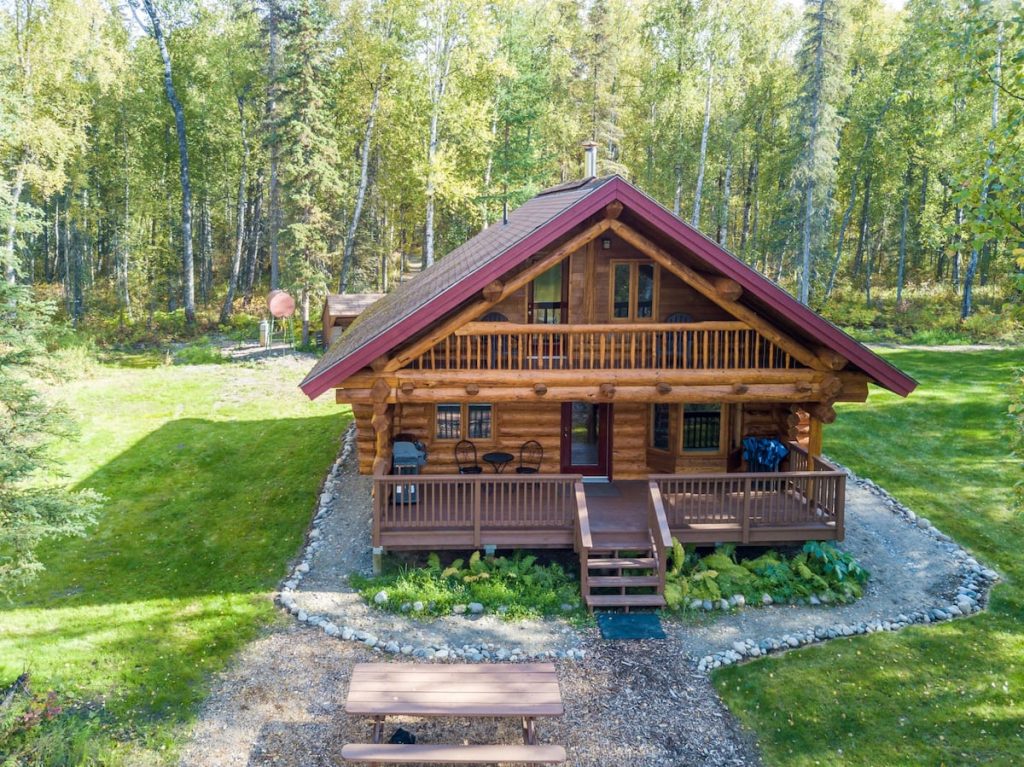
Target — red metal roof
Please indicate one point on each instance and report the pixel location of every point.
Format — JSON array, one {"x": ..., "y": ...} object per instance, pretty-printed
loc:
[{"x": 537, "y": 224}]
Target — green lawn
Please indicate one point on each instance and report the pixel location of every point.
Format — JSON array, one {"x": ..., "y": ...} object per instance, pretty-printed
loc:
[
  {"x": 211, "y": 473},
  {"x": 933, "y": 695}
]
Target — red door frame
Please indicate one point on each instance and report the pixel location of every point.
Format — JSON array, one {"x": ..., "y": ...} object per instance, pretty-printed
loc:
[{"x": 603, "y": 467}]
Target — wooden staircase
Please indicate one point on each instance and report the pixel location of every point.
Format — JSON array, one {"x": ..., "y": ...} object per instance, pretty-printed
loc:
[
  {"x": 623, "y": 569},
  {"x": 622, "y": 572}
]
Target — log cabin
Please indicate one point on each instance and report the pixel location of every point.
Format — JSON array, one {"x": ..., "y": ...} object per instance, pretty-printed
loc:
[{"x": 584, "y": 375}]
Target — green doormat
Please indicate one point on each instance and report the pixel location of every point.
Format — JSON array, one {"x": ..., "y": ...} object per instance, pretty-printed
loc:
[{"x": 630, "y": 626}]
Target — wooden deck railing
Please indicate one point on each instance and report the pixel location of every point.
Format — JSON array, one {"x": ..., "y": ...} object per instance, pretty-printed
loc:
[
  {"x": 683, "y": 346},
  {"x": 753, "y": 506},
  {"x": 470, "y": 507}
]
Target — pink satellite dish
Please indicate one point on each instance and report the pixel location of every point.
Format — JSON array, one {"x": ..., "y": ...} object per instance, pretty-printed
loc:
[{"x": 280, "y": 304}]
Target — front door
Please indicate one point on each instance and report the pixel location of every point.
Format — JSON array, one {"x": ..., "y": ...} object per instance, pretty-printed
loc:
[{"x": 586, "y": 439}]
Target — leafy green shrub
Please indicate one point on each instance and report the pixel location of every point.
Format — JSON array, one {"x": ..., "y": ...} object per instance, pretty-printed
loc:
[
  {"x": 199, "y": 352},
  {"x": 519, "y": 584},
  {"x": 819, "y": 569}
]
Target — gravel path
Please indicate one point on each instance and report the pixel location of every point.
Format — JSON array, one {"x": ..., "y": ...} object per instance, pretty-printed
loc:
[{"x": 638, "y": 704}]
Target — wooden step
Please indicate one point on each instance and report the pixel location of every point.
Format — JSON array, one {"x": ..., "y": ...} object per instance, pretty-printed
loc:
[
  {"x": 629, "y": 581},
  {"x": 625, "y": 600},
  {"x": 622, "y": 544},
  {"x": 431, "y": 753},
  {"x": 621, "y": 563}
]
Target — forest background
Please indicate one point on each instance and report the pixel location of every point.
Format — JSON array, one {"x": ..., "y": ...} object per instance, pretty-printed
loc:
[{"x": 163, "y": 163}]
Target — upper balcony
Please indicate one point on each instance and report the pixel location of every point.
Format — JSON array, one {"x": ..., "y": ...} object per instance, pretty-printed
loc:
[{"x": 616, "y": 346}]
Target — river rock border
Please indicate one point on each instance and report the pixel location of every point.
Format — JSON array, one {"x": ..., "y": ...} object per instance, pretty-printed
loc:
[{"x": 975, "y": 583}]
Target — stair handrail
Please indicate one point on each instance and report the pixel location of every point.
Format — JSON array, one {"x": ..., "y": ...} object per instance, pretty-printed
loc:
[
  {"x": 584, "y": 540},
  {"x": 660, "y": 535}
]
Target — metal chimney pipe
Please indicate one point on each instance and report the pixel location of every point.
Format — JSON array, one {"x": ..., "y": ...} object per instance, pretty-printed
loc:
[{"x": 589, "y": 159}]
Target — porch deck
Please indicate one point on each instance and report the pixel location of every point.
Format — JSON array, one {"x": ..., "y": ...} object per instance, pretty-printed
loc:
[{"x": 545, "y": 511}]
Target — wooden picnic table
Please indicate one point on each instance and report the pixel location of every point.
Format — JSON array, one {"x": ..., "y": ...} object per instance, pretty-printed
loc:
[{"x": 522, "y": 691}]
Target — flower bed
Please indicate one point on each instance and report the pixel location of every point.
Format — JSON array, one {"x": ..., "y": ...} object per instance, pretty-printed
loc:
[
  {"x": 514, "y": 587},
  {"x": 819, "y": 573}
]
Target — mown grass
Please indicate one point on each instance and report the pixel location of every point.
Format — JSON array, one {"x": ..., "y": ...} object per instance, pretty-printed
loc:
[
  {"x": 211, "y": 474},
  {"x": 948, "y": 694}
]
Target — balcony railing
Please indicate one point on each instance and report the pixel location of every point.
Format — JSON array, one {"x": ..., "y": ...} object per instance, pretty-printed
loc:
[{"x": 650, "y": 346}]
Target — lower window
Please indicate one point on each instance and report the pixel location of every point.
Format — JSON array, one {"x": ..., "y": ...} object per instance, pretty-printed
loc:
[
  {"x": 660, "y": 415},
  {"x": 702, "y": 427},
  {"x": 455, "y": 421}
]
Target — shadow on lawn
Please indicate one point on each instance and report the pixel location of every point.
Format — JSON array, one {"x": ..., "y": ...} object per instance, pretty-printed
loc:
[{"x": 194, "y": 508}]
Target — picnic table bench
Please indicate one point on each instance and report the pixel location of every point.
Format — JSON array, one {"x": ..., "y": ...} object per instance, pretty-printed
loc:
[{"x": 525, "y": 692}]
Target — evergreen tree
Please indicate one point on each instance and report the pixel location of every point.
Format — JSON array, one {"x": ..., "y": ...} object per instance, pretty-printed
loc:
[
  {"x": 30, "y": 512},
  {"x": 310, "y": 156},
  {"x": 821, "y": 61}
]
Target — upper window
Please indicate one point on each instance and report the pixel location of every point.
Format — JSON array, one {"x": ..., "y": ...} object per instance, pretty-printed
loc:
[
  {"x": 702, "y": 428},
  {"x": 455, "y": 421},
  {"x": 548, "y": 296},
  {"x": 660, "y": 426},
  {"x": 634, "y": 290}
]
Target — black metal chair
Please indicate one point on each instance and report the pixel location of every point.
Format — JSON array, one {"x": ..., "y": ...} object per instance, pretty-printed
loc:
[
  {"x": 465, "y": 458},
  {"x": 531, "y": 454}
]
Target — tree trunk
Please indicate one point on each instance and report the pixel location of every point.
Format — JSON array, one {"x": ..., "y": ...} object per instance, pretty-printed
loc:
[
  {"x": 972, "y": 265},
  {"x": 695, "y": 220},
  {"x": 748, "y": 203},
  {"x": 904, "y": 215},
  {"x": 10, "y": 269},
  {"x": 847, "y": 215},
  {"x": 723, "y": 213},
  {"x": 205, "y": 251},
  {"x": 364, "y": 175},
  {"x": 862, "y": 231},
  {"x": 124, "y": 295},
  {"x": 275, "y": 150},
  {"x": 958, "y": 220},
  {"x": 243, "y": 180},
  {"x": 304, "y": 303},
  {"x": 188, "y": 273},
  {"x": 679, "y": 190},
  {"x": 437, "y": 95},
  {"x": 252, "y": 260}
]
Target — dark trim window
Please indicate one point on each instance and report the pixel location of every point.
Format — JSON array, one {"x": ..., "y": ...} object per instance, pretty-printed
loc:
[
  {"x": 451, "y": 417},
  {"x": 449, "y": 422},
  {"x": 660, "y": 417},
  {"x": 702, "y": 428},
  {"x": 480, "y": 421}
]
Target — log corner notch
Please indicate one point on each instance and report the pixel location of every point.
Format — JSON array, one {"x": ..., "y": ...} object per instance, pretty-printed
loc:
[{"x": 830, "y": 359}]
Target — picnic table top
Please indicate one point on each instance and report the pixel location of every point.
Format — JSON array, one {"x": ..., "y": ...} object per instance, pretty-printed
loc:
[{"x": 408, "y": 689}]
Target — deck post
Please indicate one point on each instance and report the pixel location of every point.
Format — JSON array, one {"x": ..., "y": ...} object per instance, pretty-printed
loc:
[
  {"x": 746, "y": 510},
  {"x": 840, "y": 507},
  {"x": 476, "y": 514}
]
